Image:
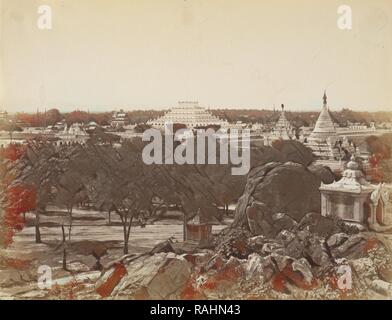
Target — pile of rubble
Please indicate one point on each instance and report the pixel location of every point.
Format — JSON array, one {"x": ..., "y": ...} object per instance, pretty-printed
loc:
[{"x": 316, "y": 258}]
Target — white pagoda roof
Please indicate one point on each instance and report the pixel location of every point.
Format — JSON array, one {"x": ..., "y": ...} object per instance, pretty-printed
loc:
[
  {"x": 188, "y": 113},
  {"x": 353, "y": 181},
  {"x": 325, "y": 127}
]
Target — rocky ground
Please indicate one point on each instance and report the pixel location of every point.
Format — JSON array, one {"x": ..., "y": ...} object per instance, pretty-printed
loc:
[
  {"x": 314, "y": 258},
  {"x": 19, "y": 263},
  {"x": 301, "y": 263},
  {"x": 308, "y": 259}
]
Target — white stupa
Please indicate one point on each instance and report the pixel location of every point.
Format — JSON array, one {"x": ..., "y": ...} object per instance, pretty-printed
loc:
[
  {"x": 324, "y": 136},
  {"x": 325, "y": 128}
]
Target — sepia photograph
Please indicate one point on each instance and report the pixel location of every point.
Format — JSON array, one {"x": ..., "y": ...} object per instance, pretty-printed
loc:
[{"x": 203, "y": 150}]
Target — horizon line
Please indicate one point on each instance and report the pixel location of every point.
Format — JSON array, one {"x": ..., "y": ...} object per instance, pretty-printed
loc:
[{"x": 149, "y": 108}]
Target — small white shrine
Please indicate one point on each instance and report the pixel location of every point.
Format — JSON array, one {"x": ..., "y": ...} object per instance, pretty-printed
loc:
[{"x": 354, "y": 199}]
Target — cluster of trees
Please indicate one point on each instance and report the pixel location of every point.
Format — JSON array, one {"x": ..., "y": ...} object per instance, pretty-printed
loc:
[
  {"x": 52, "y": 116},
  {"x": 298, "y": 118},
  {"x": 112, "y": 178},
  {"x": 381, "y": 157},
  {"x": 302, "y": 118}
]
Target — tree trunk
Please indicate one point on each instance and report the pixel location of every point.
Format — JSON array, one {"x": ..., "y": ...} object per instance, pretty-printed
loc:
[
  {"x": 124, "y": 222},
  {"x": 184, "y": 227},
  {"x": 127, "y": 231},
  {"x": 37, "y": 231},
  {"x": 110, "y": 217},
  {"x": 64, "y": 249},
  {"x": 70, "y": 223},
  {"x": 125, "y": 244}
]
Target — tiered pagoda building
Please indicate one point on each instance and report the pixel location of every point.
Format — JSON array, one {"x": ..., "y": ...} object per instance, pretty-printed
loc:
[
  {"x": 190, "y": 114},
  {"x": 283, "y": 129}
]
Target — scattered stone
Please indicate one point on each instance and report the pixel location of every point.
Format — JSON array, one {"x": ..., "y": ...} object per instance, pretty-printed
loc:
[
  {"x": 254, "y": 267},
  {"x": 382, "y": 287},
  {"x": 270, "y": 247},
  {"x": 160, "y": 276},
  {"x": 337, "y": 239},
  {"x": 285, "y": 236},
  {"x": 317, "y": 252},
  {"x": 365, "y": 268},
  {"x": 352, "y": 248},
  {"x": 386, "y": 274},
  {"x": 303, "y": 266},
  {"x": 234, "y": 242},
  {"x": 256, "y": 243}
]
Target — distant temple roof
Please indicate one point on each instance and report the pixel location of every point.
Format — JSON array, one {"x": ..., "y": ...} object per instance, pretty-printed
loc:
[
  {"x": 325, "y": 127},
  {"x": 283, "y": 127},
  {"x": 188, "y": 113},
  {"x": 353, "y": 180}
]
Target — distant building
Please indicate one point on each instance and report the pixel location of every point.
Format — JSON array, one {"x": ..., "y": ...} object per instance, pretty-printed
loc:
[
  {"x": 91, "y": 126},
  {"x": 283, "y": 129},
  {"x": 190, "y": 114},
  {"x": 3, "y": 115},
  {"x": 119, "y": 119},
  {"x": 75, "y": 133},
  {"x": 60, "y": 125}
]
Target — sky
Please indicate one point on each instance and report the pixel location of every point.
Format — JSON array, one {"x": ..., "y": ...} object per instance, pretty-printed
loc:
[{"x": 102, "y": 55}]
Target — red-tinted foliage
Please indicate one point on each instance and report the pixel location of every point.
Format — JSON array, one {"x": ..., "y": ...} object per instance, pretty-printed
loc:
[
  {"x": 32, "y": 120},
  {"x": 13, "y": 152},
  {"x": 19, "y": 199},
  {"x": 67, "y": 291},
  {"x": 374, "y": 172},
  {"x": 17, "y": 264},
  {"x": 77, "y": 116},
  {"x": 375, "y": 159}
]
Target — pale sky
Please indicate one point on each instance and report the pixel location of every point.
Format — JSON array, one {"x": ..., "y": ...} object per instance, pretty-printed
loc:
[{"x": 107, "y": 54}]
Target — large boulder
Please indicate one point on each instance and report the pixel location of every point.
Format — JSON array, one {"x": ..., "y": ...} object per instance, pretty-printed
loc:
[
  {"x": 278, "y": 195},
  {"x": 282, "y": 151},
  {"x": 158, "y": 276}
]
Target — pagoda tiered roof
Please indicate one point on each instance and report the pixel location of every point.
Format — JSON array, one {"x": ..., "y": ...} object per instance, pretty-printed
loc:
[{"x": 188, "y": 113}]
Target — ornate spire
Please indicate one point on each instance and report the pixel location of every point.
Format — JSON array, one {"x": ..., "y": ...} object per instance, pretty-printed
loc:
[{"x": 325, "y": 99}]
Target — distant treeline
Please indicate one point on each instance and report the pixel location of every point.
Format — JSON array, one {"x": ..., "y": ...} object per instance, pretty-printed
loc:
[{"x": 297, "y": 118}]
